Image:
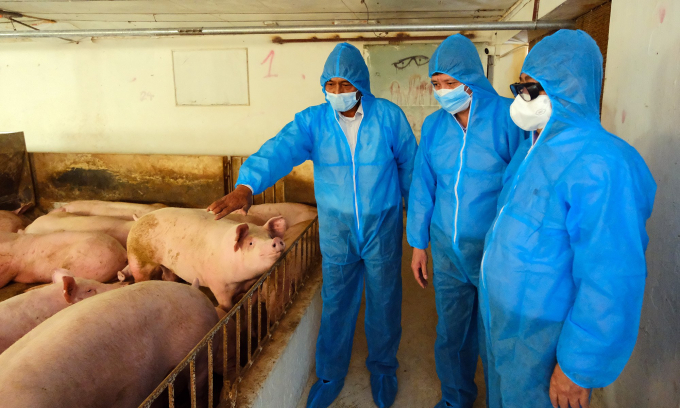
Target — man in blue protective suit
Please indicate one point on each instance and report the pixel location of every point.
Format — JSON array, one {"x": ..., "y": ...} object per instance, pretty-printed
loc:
[
  {"x": 464, "y": 150},
  {"x": 563, "y": 272},
  {"x": 363, "y": 150}
]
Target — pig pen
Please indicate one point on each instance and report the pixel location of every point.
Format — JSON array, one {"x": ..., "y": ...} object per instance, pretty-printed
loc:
[{"x": 49, "y": 179}]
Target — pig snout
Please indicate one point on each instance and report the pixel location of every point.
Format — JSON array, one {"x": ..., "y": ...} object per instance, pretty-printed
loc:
[{"x": 278, "y": 245}]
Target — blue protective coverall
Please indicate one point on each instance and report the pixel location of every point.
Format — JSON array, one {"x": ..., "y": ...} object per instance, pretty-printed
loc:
[
  {"x": 360, "y": 211},
  {"x": 564, "y": 269},
  {"x": 456, "y": 181}
]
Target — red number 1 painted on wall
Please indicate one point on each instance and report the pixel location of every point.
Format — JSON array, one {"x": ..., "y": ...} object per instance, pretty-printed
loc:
[{"x": 269, "y": 57}]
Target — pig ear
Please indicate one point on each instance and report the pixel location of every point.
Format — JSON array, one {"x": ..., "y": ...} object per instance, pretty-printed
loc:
[
  {"x": 58, "y": 274},
  {"x": 70, "y": 287},
  {"x": 276, "y": 227},
  {"x": 23, "y": 208},
  {"x": 241, "y": 233}
]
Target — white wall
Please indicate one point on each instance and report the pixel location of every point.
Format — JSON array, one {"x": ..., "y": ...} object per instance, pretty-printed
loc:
[
  {"x": 117, "y": 96},
  {"x": 642, "y": 105},
  {"x": 507, "y": 67}
]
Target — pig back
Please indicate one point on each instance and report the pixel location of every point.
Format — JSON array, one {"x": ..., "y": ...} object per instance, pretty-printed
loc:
[
  {"x": 111, "y": 350},
  {"x": 91, "y": 255},
  {"x": 181, "y": 239}
]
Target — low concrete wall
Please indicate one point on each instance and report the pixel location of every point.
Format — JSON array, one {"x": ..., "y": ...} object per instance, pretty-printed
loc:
[{"x": 282, "y": 370}]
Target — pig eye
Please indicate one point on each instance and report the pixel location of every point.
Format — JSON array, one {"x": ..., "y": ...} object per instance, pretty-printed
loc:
[{"x": 250, "y": 243}]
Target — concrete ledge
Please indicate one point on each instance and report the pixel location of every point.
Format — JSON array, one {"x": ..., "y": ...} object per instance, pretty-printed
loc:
[{"x": 280, "y": 374}]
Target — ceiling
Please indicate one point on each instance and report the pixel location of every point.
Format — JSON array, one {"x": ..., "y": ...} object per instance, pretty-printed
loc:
[{"x": 90, "y": 14}]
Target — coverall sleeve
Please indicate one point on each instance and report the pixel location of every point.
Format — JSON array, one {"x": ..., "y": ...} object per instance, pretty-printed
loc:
[
  {"x": 405, "y": 153},
  {"x": 515, "y": 137},
  {"x": 606, "y": 225},
  {"x": 421, "y": 202},
  {"x": 277, "y": 157}
]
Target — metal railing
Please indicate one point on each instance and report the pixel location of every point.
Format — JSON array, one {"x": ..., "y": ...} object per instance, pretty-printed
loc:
[{"x": 273, "y": 293}]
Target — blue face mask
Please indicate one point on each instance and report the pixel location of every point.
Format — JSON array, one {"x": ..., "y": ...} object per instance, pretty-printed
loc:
[
  {"x": 453, "y": 100},
  {"x": 342, "y": 102}
]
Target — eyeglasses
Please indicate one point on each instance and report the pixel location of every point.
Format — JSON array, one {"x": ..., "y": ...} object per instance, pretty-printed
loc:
[
  {"x": 528, "y": 90},
  {"x": 419, "y": 60}
]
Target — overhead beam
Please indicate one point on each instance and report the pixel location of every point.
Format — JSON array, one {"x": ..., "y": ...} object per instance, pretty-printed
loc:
[{"x": 331, "y": 29}]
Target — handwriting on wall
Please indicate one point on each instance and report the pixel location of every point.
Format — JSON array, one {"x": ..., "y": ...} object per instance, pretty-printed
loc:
[
  {"x": 417, "y": 93},
  {"x": 146, "y": 96},
  {"x": 270, "y": 58}
]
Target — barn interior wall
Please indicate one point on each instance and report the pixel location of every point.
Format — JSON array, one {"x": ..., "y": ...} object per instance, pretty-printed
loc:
[
  {"x": 641, "y": 103},
  {"x": 118, "y": 95}
]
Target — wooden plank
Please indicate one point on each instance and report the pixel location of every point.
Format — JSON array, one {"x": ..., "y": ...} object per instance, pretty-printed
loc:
[
  {"x": 300, "y": 184},
  {"x": 186, "y": 181},
  {"x": 296, "y": 187},
  {"x": 16, "y": 184}
]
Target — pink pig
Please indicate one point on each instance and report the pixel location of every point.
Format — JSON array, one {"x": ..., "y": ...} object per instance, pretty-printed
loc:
[
  {"x": 224, "y": 255},
  {"x": 21, "y": 314},
  {"x": 31, "y": 258},
  {"x": 109, "y": 351},
  {"x": 63, "y": 221},
  {"x": 122, "y": 210},
  {"x": 13, "y": 221}
]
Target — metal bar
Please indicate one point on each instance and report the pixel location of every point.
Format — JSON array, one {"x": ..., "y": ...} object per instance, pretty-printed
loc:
[
  {"x": 250, "y": 328},
  {"x": 290, "y": 275},
  {"x": 392, "y": 39},
  {"x": 192, "y": 379},
  {"x": 238, "y": 342},
  {"x": 276, "y": 289},
  {"x": 312, "y": 29},
  {"x": 266, "y": 303},
  {"x": 171, "y": 395},
  {"x": 225, "y": 356},
  {"x": 259, "y": 318},
  {"x": 36, "y": 29},
  {"x": 210, "y": 374}
]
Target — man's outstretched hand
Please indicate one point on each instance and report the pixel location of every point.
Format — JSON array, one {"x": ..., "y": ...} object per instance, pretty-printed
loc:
[{"x": 239, "y": 199}]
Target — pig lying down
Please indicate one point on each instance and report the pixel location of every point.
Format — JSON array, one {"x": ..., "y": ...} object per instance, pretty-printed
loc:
[
  {"x": 121, "y": 210},
  {"x": 13, "y": 221},
  {"x": 63, "y": 221},
  {"x": 31, "y": 258},
  {"x": 224, "y": 255},
  {"x": 110, "y": 351},
  {"x": 23, "y": 313}
]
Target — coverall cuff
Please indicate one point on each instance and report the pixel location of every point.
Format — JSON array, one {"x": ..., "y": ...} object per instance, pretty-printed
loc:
[
  {"x": 247, "y": 185},
  {"x": 417, "y": 244},
  {"x": 574, "y": 378}
]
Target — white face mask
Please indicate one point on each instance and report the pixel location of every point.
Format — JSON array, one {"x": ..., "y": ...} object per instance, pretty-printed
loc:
[{"x": 531, "y": 115}]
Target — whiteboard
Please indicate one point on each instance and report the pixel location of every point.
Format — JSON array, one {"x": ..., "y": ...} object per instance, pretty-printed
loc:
[{"x": 211, "y": 77}]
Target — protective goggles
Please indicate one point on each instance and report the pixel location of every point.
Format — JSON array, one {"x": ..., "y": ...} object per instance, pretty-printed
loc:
[{"x": 528, "y": 90}]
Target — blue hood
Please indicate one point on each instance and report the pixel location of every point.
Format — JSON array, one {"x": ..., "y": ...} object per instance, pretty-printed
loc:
[
  {"x": 568, "y": 64},
  {"x": 346, "y": 61},
  {"x": 458, "y": 58}
]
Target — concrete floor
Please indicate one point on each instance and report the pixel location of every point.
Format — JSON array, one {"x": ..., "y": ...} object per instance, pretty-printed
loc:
[{"x": 418, "y": 382}]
